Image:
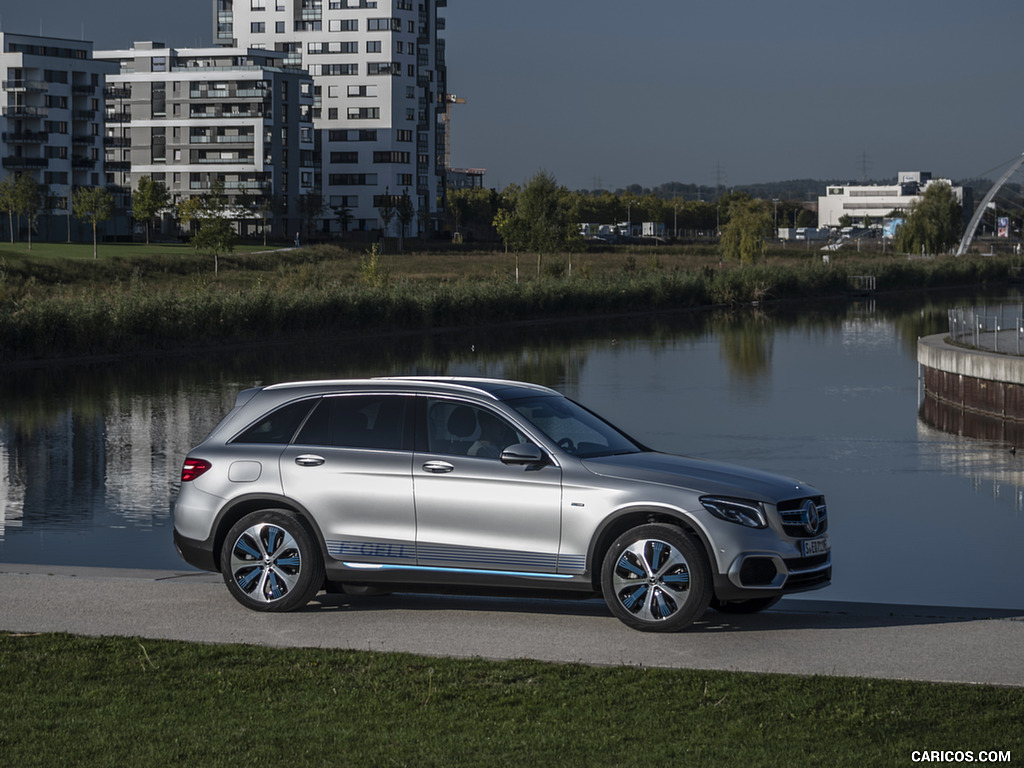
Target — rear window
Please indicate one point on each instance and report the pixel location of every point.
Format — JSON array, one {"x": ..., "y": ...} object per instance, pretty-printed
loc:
[
  {"x": 357, "y": 421},
  {"x": 278, "y": 426}
]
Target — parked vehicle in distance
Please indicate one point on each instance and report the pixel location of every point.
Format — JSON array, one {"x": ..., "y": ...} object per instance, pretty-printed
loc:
[{"x": 431, "y": 483}]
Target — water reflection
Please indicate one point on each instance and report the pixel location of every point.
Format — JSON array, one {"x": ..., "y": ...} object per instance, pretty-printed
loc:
[{"x": 90, "y": 455}]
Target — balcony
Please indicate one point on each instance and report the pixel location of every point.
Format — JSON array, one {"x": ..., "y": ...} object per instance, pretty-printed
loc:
[
  {"x": 23, "y": 111},
  {"x": 25, "y": 163},
  {"x": 82, "y": 163},
  {"x": 26, "y": 137},
  {"x": 25, "y": 86}
]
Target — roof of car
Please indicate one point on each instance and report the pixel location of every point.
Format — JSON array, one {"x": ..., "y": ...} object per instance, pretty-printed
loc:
[{"x": 498, "y": 389}]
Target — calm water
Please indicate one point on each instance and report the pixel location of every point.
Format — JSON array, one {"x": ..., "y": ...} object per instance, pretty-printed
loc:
[{"x": 89, "y": 456}]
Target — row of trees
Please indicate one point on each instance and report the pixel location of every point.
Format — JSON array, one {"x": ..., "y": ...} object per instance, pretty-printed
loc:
[
  {"x": 475, "y": 210},
  {"x": 543, "y": 217}
]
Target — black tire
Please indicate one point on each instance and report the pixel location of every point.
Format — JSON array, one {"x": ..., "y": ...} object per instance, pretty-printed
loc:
[
  {"x": 656, "y": 578},
  {"x": 271, "y": 562},
  {"x": 753, "y": 605}
]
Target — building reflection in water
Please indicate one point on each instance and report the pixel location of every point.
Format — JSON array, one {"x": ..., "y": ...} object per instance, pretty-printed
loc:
[{"x": 989, "y": 451}]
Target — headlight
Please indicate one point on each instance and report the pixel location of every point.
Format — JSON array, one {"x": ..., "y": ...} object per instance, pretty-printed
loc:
[{"x": 748, "y": 513}]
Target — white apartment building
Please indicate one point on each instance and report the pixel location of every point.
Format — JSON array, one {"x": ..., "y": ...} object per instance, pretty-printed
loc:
[
  {"x": 189, "y": 116},
  {"x": 51, "y": 114},
  {"x": 380, "y": 90},
  {"x": 875, "y": 202}
]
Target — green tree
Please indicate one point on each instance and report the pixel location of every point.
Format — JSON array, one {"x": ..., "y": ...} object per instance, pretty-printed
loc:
[
  {"x": 933, "y": 223},
  {"x": 9, "y": 199},
  {"x": 95, "y": 205},
  {"x": 405, "y": 212},
  {"x": 215, "y": 233},
  {"x": 746, "y": 232},
  {"x": 386, "y": 209},
  {"x": 270, "y": 205},
  {"x": 147, "y": 201},
  {"x": 545, "y": 220},
  {"x": 30, "y": 197},
  {"x": 311, "y": 206},
  {"x": 343, "y": 214}
]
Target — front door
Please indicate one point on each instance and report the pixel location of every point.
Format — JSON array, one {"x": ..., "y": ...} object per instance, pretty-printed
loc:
[{"x": 472, "y": 511}]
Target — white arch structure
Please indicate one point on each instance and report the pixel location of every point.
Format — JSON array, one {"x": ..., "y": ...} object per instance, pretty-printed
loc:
[{"x": 965, "y": 242}]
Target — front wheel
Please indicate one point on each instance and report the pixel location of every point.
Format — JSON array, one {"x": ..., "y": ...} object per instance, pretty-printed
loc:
[
  {"x": 656, "y": 578},
  {"x": 270, "y": 562}
]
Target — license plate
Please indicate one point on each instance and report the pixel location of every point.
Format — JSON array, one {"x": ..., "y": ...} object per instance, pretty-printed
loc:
[{"x": 816, "y": 546}]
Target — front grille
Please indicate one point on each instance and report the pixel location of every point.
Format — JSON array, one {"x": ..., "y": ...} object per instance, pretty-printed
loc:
[{"x": 796, "y": 513}]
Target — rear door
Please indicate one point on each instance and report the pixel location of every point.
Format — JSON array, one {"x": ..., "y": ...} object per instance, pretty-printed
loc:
[{"x": 350, "y": 466}]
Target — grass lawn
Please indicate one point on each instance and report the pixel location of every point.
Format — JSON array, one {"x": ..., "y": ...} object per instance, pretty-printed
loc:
[{"x": 80, "y": 701}]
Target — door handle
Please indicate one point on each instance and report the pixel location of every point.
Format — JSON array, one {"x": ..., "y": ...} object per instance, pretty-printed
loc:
[
  {"x": 309, "y": 460},
  {"x": 438, "y": 467}
]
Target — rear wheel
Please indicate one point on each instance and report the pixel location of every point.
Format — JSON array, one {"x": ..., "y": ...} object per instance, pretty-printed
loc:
[
  {"x": 270, "y": 562},
  {"x": 656, "y": 578}
]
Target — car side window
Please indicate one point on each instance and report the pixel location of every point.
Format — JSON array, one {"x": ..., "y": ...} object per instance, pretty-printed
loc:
[
  {"x": 279, "y": 425},
  {"x": 357, "y": 421},
  {"x": 457, "y": 429}
]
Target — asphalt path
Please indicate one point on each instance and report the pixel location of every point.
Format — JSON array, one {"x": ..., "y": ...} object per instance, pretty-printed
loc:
[{"x": 796, "y": 637}]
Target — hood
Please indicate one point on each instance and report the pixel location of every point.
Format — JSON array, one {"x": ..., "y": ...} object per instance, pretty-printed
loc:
[{"x": 700, "y": 476}]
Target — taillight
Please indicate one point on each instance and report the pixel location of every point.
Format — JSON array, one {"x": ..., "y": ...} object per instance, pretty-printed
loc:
[{"x": 193, "y": 468}]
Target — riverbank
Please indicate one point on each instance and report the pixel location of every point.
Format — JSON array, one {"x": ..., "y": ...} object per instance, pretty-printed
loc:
[{"x": 127, "y": 303}]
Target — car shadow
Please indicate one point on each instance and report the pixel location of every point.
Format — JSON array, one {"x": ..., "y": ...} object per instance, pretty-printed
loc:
[{"x": 788, "y": 614}]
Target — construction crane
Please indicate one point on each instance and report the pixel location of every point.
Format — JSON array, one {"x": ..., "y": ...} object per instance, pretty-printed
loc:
[{"x": 446, "y": 99}]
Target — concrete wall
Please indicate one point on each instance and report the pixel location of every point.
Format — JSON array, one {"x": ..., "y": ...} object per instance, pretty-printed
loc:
[{"x": 974, "y": 380}]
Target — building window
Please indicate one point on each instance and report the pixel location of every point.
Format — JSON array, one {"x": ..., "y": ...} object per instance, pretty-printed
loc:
[
  {"x": 384, "y": 25},
  {"x": 344, "y": 157},
  {"x": 257, "y": 27},
  {"x": 258, "y": 5},
  {"x": 391, "y": 157},
  {"x": 363, "y": 113},
  {"x": 279, "y": 27}
]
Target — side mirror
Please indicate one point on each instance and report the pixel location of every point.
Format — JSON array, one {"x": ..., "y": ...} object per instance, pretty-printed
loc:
[{"x": 522, "y": 453}]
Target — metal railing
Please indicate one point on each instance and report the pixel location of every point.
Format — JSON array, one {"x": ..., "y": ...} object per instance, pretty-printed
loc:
[{"x": 981, "y": 327}]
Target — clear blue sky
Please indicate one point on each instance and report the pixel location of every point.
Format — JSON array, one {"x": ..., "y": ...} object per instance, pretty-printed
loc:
[{"x": 650, "y": 91}]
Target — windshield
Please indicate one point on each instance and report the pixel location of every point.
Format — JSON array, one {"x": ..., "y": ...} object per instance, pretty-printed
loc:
[{"x": 575, "y": 429}]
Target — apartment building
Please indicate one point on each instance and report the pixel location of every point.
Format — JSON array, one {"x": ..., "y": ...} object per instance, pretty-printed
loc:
[
  {"x": 51, "y": 114},
  {"x": 187, "y": 117},
  {"x": 380, "y": 96}
]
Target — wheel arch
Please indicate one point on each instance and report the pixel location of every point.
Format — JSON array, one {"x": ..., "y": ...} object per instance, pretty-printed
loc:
[
  {"x": 615, "y": 525},
  {"x": 244, "y": 505}
]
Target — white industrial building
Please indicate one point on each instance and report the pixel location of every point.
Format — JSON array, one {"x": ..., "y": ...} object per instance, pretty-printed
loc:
[
  {"x": 380, "y": 90},
  {"x": 875, "y": 202}
]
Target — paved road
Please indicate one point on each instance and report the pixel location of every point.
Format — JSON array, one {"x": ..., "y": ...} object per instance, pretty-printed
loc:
[{"x": 797, "y": 636}]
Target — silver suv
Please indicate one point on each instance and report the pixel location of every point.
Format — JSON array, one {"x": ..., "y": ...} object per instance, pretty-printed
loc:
[{"x": 457, "y": 483}]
